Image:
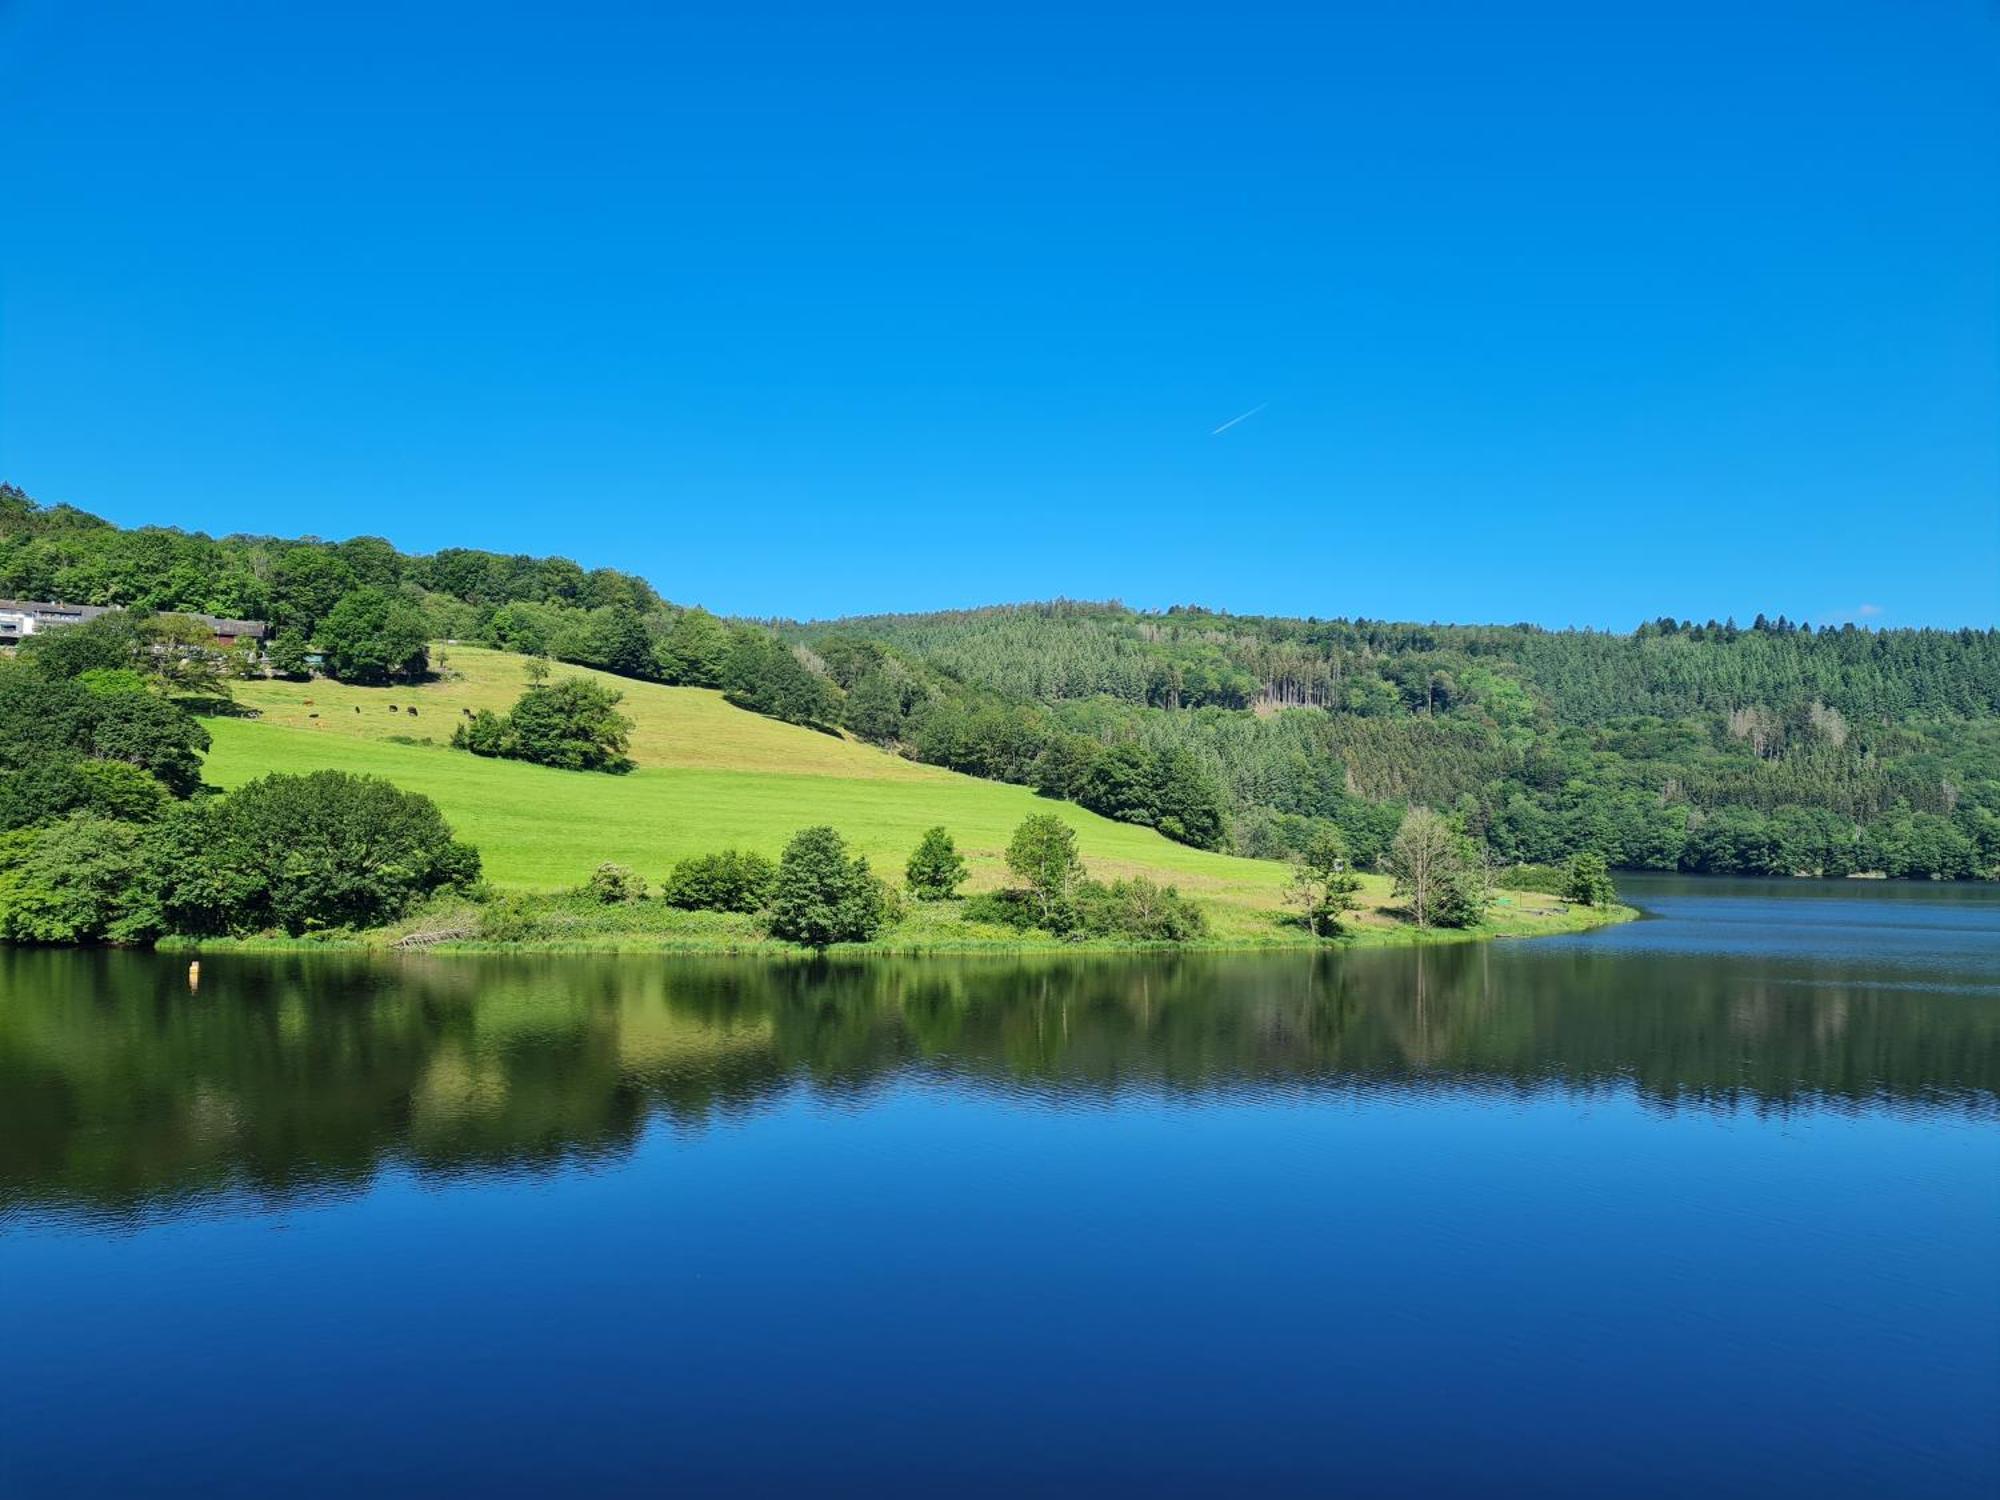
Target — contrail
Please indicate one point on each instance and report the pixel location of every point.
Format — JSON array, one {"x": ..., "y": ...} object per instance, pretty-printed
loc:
[{"x": 1244, "y": 418}]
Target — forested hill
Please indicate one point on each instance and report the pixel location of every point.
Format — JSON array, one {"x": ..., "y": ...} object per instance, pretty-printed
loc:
[
  {"x": 1766, "y": 748},
  {"x": 1194, "y": 658}
]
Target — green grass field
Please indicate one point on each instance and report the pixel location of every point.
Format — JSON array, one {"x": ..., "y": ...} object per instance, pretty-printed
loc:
[{"x": 712, "y": 776}]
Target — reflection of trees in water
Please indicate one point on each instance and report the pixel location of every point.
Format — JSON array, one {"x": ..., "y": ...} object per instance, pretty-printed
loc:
[{"x": 118, "y": 1087}]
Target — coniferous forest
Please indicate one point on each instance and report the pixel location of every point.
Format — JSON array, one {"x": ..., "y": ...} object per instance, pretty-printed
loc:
[{"x": 1712, "y": 746}]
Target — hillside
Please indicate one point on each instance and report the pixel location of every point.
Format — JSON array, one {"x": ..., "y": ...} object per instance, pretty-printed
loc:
[
  {"x": 1773, "y": 748},
  {"x": 710, "y": 775}
]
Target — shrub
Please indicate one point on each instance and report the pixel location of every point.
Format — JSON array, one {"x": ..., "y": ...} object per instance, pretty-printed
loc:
[
  {"x": 614, "y": 884},
  {"x": 1139, "y": 910},
  {"x": 1551, "y": 880},
  {"x": 1015, "y": 909},
  {"x": 936, "y": 870},
  {"x": 729, "y": 881},
  {"x": 822, "y": 896}
]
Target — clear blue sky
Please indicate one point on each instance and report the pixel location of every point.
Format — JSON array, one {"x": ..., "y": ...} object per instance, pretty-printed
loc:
[{"x": 1569, "y": 312}]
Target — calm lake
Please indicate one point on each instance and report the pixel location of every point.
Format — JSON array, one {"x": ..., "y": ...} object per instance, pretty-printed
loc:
[{"x": 1705, "y": 1203}]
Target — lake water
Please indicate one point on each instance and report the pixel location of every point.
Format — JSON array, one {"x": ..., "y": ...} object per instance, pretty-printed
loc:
[{"x": 1706, "y": 1203}]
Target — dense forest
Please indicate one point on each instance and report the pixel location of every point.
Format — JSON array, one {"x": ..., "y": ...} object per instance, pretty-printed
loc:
[
  {"x": 1771, "y": 748},
  {"x": 1706, "y": 746}
]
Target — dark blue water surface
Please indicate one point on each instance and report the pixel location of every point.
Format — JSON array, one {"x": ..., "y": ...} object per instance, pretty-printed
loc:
[{"x": 1709, "y": 1203}]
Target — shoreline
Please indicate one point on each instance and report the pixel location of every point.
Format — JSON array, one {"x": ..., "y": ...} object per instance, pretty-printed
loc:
[{"x": 731, "y": 940}]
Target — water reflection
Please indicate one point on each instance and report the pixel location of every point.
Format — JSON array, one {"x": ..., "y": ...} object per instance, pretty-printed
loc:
[{"x": 122, "y": 1093}]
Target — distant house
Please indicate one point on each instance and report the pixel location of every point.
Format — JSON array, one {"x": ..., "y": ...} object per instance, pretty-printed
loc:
[
  {"x": 21, "y": 618},
  {"x": 229, "y": 632}
]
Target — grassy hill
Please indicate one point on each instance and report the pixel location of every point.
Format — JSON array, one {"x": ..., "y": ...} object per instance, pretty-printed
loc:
[{"x": 709, "y": 776}]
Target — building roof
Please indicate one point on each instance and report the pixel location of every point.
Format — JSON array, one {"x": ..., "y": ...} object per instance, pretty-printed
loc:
[{"x": 54, "y": 611}]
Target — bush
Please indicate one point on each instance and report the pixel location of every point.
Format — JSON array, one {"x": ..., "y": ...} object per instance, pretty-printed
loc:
[
  {"x": 822, "y": 896},
  {"x": 1138, "y": 910},
  {"x": 1015, "y": 909},
  {"x": 614, "y": 884},
  {"x": 1550, "y": 880},
  {"x": 936, "y": 870},
  {"x": 729, "y": 881}
]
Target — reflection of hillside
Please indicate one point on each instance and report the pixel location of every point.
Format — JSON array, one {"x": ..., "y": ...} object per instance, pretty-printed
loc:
[{"x": 119, "y": 1088}]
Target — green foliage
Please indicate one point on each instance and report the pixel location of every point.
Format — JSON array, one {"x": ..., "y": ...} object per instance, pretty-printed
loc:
[
  {"x": 877, "y": 708},
  {"x": 733, "y": 880},
  {"x": 693, "y": 650},
  {"x": 113, "y": 789},
  {"x": 1587, "y": 880},
  {"x": 336, "y": 850},
  {"x": 611, "y": 884},
  {"x": 50, "y": 725},
  {"x": 148, "y": 732},
  {"x": 1015, "y": 909},
  {"x": 573, "y": 725},
  {"x": 373, "y": 636},
  {"x": 41, "y": 787},
  {"x": 74, "y": 881},
  {"x": 1438, "y": 872},
  {"x": 289, "y": 654},
  {"x": 1772, "y": 749},
  {"x": 823, "y": 896},
  {"x": 307, "y": 583},
  {"x": 763, "y": 675},
  {"x": 1043, "y": 854},
  {"x": 936, "y": 869},
  {"x": 106, "y": 643},
  {"x": 183, "y": 656},
  {"x": 1137, "y": 910},
  {"x": 1322, "y": 887},
  {"x": 622, "y": 644},
  {"x": 1705, "y": 747},
  {"x": 1551, "y": 880},
  {"x": 202, "y": 878}
]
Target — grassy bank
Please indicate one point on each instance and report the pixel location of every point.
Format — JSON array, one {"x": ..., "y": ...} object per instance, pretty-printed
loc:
[
  {"x": 710, "y": 776},
  {"x": 555, "y": 923}
]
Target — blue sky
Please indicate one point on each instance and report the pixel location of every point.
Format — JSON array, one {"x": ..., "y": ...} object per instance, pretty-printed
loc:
[{"x": 1565, "y": 312}]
